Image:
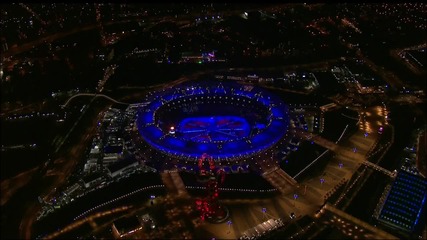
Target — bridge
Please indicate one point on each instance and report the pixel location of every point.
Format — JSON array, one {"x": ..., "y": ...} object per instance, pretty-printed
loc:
[
  {"x": 329, "y": 107},
  {"x": 93, "y": 95},
  {"x": 141, "y": 104},
  {"x": 280, "y": 179},
  {"x": 380, "y": 169}
]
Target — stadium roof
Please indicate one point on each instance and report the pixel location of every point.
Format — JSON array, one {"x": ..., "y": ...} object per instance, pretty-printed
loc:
[{"x": 121, "y": 164}]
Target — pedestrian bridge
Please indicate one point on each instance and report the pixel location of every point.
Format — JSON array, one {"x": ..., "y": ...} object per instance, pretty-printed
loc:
[
  {"x": 93, "y": 95},
  {"x": 380, "y": 169}
]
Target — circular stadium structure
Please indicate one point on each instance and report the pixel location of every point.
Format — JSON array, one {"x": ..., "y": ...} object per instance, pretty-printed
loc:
[{"x": 226, "y": 120}]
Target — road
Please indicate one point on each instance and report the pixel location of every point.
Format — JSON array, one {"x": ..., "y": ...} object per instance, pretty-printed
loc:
[
  {"x": 89, "y": 219},
  {"x": 94, "y": 95},
  {"x": 174, "y": 184},
  {"x": 8, "y": 109},
  {"x": 11, "y": 185}
]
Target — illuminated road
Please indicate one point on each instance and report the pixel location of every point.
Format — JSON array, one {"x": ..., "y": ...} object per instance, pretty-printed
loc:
[
  {"x": 280, "y": 180},
  {"x": 174, "y": 184},
  {"x": 118, "y": 199},
  {"x": 378, "y": 168},
  {"x": 342, "y": 150},
  {"x": 89, "y": 219},
  {"x": 94, "y": 95},
  {"x": 7, "y": 108},
  {"x": 396, "y": 53}
]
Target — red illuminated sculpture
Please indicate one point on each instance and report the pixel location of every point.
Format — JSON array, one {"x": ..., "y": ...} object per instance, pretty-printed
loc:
[{"x": 209, "y": 207}]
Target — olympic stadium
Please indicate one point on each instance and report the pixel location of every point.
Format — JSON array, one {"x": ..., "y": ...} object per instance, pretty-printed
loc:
[{"x": 227, "y": 120}]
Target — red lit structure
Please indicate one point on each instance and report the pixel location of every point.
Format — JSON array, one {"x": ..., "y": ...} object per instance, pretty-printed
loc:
[{"x": 209, "y": 207}]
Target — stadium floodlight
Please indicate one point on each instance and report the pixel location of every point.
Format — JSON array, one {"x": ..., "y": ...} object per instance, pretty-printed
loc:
[{"x": 172, "y": 130}]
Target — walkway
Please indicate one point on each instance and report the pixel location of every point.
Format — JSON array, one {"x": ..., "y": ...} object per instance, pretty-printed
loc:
[
  {"x": 174, "y": 184},
  {"x": 349, "y": 225},
  {"x": 380, "y": 169},
  {"x": 280, "y": 180}
]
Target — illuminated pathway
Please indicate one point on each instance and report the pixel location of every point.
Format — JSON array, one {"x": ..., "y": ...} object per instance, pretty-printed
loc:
[
  {"x": 349, "y": 154},
  {"x": 89, "y": 219},
  {"x": 349, "y": 225},
  {"x": 313, "y": 190},
  {"x": 342, "y": 167},
  {"x": 338, "y": 149},
  {"x": 344, "y": 151},
  {"x": 280, "y": 180},
  {"x": 174, "y": 184}
]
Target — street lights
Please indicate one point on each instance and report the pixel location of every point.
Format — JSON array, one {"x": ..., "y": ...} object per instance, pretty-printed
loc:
[
  {"x": 264, "y": 210},
  {"x": 295, "y": 197},
  {"x": 229, "y": 225}
]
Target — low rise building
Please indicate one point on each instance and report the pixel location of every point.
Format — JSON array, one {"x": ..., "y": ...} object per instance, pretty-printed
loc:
[
  {"x": 117, "y": 168},
  {"x": 93, "y": 179}
]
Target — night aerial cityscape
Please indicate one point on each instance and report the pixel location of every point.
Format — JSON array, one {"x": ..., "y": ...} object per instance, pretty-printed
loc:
[{"x": 213, "y": 121}]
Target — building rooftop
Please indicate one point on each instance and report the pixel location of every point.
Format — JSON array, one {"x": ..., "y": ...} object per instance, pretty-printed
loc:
[
  {"x": 113, "y": 149},
  {"x": 121, "y": 164},
  {"x": 403, "y": 206},
  {"x": 92, "y": 177}
]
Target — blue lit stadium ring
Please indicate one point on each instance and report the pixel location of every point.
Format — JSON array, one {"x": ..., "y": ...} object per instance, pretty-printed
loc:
[{"x": 221, "y": 134}]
